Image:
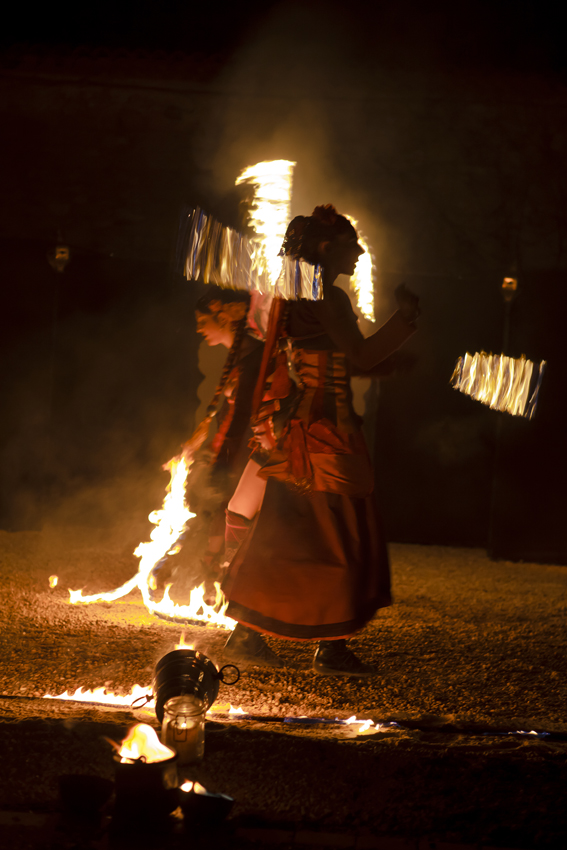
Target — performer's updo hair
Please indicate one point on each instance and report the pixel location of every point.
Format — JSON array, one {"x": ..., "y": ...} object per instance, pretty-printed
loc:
[
  {"x": 209, "y": 301},
  {"x": 305, "y": 233}
]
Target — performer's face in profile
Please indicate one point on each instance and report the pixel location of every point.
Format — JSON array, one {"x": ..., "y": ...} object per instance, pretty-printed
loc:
[
  {"x": 342, "y": 253},
  {"x": 214, "y": 329}
]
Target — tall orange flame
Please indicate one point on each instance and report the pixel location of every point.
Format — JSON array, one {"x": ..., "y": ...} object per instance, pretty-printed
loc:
[{"x": 170, "y": 523}]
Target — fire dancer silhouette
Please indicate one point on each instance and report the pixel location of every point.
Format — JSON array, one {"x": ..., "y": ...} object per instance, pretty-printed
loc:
[
  {"x": 311, "y": 561},
  {"x": 218, "y": 460}
]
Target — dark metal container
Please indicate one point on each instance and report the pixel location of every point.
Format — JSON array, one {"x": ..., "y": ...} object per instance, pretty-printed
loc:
[
  {"x": 146, "y": 790},
  {"x": 189, "y": 672}
]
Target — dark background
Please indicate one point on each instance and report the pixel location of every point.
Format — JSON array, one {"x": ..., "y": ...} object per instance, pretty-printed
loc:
[{"x": 442, "y": 128}]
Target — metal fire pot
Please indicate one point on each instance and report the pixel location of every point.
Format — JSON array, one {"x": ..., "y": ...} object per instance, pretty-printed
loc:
[
  {"x": 201, "y": 808},
  {"x": 146, "y": 790},
  {"x": 188, "y": 672}
]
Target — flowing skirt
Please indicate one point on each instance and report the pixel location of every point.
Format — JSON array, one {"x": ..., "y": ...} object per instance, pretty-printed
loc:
[{"x": 315, "y": 565}]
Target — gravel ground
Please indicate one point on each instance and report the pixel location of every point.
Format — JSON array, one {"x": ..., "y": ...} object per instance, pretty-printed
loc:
[{"x": 470, "y": 647}]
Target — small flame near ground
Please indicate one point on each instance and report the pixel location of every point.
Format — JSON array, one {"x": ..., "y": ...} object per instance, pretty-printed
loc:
[
  {"x": 196, "y": 787},
  {"x": 105, "y": 697},
  {"x": 182, "y": 644},
  {"x": 53, "y": 581}
]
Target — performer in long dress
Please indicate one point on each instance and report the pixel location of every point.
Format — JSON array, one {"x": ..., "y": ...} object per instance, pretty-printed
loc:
[
  {"x": 218, "y": 457},
  {"x": 313, "y": 563}
]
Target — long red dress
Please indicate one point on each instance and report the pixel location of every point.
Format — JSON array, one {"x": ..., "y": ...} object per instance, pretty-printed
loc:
[{"x": 315, "y": 565}]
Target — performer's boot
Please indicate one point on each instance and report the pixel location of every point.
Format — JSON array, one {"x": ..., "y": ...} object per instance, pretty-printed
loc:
[
  {"x": 237, "y": 529},
  {"x": 334, "y": 658},
  {"x": 246, "y": 648}
]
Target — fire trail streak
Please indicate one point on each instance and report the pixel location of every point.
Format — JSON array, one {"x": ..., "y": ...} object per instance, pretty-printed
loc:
[
  {"x": 362, "y": 281},
  {"x": 270, "y": 208},
  {"x": 508, "y": 384}
]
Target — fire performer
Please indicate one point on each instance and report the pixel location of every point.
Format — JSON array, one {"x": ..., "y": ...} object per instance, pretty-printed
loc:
[
  {"x": 312, "y": 563},
  {"x": 222, "y": 319}
]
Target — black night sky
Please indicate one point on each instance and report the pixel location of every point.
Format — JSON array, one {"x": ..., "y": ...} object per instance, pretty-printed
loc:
[
  {"x": 442, "y": 126},
  {"x": 513, "y": 34}
]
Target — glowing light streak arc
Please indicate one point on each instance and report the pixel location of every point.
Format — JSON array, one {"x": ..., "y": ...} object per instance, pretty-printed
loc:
[
  {"x": 362, "y": 281},
  {"x": 502, "y": 383},
  {"x": 270, "y": 209}
]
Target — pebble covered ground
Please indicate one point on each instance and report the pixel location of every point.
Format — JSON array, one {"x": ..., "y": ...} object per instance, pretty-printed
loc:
[{"x": 471, "y": 648}]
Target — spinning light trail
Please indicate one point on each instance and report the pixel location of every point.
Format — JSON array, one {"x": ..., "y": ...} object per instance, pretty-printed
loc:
[{"x": 503, "y": 383}]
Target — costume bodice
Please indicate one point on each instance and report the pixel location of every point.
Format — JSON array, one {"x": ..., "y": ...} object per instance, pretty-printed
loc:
[{"x": 324, "y": 388}]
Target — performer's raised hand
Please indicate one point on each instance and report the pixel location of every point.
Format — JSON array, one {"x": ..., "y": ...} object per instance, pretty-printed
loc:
[{"x": 408, "y": 302}]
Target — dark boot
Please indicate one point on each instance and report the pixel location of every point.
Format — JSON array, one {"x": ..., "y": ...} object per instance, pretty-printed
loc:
[
  {"x": 246, "y": 648},
  {"x": 334, "y": 658}
]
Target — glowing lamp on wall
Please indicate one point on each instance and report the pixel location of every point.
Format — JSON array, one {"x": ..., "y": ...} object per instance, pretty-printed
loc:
[
  {"x": 509, "y": 288},
  {"x": 58, "y": 257}
]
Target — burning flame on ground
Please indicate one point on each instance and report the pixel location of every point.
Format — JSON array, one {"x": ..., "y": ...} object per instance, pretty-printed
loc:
[
  {"x": 196, "y": 787},
  {"x": 53, "y": 581},
  {"x": 367, "y": 727},
  {"x": 101, "y": 695},
  {"x": 105, "y": 697},
  {"x": 226, "y": 708},
  {"x": 182, "y": 644},
  {"x": 170, "y": 523},
  {"x": 142, "y": 742},
  {"x": 362, "y": 280},
  {"x": 138, "y": 693},
  {"x": 270, "y": 209}
]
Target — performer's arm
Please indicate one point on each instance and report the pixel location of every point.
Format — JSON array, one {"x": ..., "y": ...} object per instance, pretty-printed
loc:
[{"x": 365, "y": 353}]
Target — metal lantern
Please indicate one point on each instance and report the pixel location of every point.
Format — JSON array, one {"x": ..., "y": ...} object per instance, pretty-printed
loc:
[{"x": 188, "y": 672}]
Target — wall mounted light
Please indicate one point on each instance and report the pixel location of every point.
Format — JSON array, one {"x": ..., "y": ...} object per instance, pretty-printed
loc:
[
  {"x": 509, "y": 288},
  {"x": 59, "y": 256}
]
